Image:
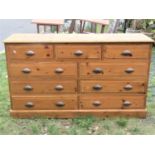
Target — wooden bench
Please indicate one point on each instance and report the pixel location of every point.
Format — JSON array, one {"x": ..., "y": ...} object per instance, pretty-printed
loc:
[{"x": 48, "y": 22}]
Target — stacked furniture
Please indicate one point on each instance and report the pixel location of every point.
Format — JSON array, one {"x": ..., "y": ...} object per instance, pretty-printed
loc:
[{"x": 71, "y": 75}]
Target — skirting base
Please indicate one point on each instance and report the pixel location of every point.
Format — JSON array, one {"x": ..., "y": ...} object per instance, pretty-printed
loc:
[{"x": 139, "y": 113}]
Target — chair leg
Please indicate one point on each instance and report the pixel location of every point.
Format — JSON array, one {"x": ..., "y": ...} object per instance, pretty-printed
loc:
[
  {"x": 51, "y": 27},
  {"x": 93, "y": 27},
  {"x": 38, "y": 28},
  {"x": 102, "y": 28},
  {"x": 44, "y": 28},
  {"x": 57, "y": 28},
  {"x": 72, "y": 26},
  {"x": 83, "y": 26},
  {"x": 125, "y": 25}
]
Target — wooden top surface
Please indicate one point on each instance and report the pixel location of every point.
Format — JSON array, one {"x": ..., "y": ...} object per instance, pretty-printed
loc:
[
  {"x": 77, "y": 38},
  {"x": 48, "y": 21},
  {"x": 97, "y": 21}
]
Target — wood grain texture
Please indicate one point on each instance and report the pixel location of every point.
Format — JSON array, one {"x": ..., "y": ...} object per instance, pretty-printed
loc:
[
  {"x": 112, "y": 102},
  {"x": 139, "y": 51},
  {"x": 48, "y": 21},
  {"x": 71, "y": 51},
  {"x": 97, "y": 21},
  {"x": 44, "y": 69},
  {"x": 54, "y": 102},
  {"x": 39, "y": 63},
  {"x": 140, "y": 113},
  {"x": 87, "y": 86},
  {"x": 43, "y": 87},
  {"x": 99, "y": 70},
  {"x": 40, "y": 51},
  {"x": 78, "y": 38}
]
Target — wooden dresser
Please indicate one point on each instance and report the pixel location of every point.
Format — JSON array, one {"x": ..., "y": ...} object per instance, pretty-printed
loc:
[{"x": 71, "y": 75}]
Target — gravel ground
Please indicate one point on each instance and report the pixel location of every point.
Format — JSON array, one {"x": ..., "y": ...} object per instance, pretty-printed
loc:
[{"x": 10, "y": 26}]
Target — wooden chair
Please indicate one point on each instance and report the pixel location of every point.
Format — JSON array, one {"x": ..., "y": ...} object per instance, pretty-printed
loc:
[
  {"x": 113, "y": 26},
  {"x": 94, "y": 22},
  {"x": 48, "y": 22},
  {"x": 72, "y": 26}
]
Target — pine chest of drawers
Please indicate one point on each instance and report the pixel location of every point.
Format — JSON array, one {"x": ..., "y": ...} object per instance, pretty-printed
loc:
[{"x": 71, "y": 75}]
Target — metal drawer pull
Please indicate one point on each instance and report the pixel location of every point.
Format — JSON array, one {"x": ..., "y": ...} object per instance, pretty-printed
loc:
[
  {"x": 60, "y": 104},
  {"x": 127, "y": 53},
  {"x": 59, "y": 70},
  {"x": 129, "y": 70},
  {"x": 28, "y": 88},
  {"x": 78, "y": 53},
  {"x": 26, "y": 70},
  {"x": 30, "y": 53},
  {"x": 96, "y": 103},
  {"x": 98, "y": 70},
  {"x": 59, "y": 87},
  {"x": 97, "y": 87},
  {"x": 126, "y": 103},
  {"x": 128, "y": 87},
  {"x": 29, "y": 105}
]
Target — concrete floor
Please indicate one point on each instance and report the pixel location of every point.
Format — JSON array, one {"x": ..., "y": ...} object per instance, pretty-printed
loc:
[{"x": 10, "y": 26}]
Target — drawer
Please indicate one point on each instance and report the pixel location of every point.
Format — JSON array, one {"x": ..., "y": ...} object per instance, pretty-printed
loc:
[
  {"x": 54, "y": 102},
  {"x": 43, "y": 69},
  {"x": 29, "y": 51},
  {"x": 40, "y": 87},
  {"x": 112, "y": 86},
  {"x": 127, "y": 51},
  {"x": 78, "y": 51},
  {"x": 112, "y": 102},
  {"x": 100, "y": 70}
]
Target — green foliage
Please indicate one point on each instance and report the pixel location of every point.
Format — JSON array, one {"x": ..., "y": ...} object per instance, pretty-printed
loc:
[
  {"x": 84, "y": 122},
  {"x": 53, "y": 130},
  {"x": 141, "y": 24},
  {"x": 122, "y": 122},
  {"x": 35, "y": 129},
  {"x": 135, "y": 130}
]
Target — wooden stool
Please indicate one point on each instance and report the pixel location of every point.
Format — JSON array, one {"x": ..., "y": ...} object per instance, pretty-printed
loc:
[
  {"x": 102, "y": 22},
  {"x": 49, "y": 22}
]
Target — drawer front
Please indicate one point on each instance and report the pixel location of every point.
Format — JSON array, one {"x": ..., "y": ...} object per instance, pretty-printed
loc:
[
  {"x": 30, "y": 51},
  {"x": 112, "y": 86},
  {"x": 40, "y": 87},
  {"x": 127, "y": 51},
  {"x": 100, "y": 70},
  {"x": 78, "y": 51},
  {"x": 56, "y": 102},
  {"x": 112, "y": 102},
  {"x": 43, "y": 69}
]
